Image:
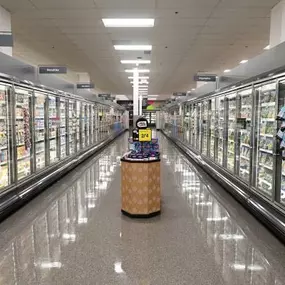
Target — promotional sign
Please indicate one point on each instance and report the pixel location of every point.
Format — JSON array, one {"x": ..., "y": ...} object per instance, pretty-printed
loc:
[
  {"x": 205, "y": 78},
  {"x": 85, "y": 86},
  {"x": 145, "y": 135},
  {"x": 52, "y": 69}
]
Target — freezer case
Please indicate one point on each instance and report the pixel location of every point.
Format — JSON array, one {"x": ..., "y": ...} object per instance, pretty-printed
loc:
[
  {"x": 266, "y": 129},
  {"x": 5, "y": 158},
  {"x": 40, "y": 142},
  {"x": 78, "y": 127},
  {"x": 231, "y": 128},
  {"x": 23, "y": 131},
  {"x": 244, "y": 147}
]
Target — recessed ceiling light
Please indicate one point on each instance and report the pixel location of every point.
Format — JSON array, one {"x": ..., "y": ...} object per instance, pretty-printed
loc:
[
  {"x": 227, "y": 70},
  {"x": 139, "y": 70},
  {"x": 267, "y": 47},
  {"x": 244, "y": 61},
  {"x": 133, "y": 47},
  {"x": 136, "y": 61},
  {"x": 140, "y": 77},
  {"x": 128, "y": 23}
]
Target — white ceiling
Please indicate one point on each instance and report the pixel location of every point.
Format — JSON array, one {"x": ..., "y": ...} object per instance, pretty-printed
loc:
[{"x": 205, "y": 35}]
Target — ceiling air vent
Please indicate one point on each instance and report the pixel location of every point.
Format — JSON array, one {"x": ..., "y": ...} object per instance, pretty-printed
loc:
[{"x": 147, "y": 52}]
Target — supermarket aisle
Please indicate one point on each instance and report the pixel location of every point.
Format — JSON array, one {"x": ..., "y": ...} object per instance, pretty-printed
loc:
[{"x": 74, "y": 233}]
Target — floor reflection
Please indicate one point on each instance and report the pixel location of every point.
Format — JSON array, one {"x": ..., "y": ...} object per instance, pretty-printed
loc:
[
  {"x": 29, "y": 257},
  {"x": 240, "y": 260}
]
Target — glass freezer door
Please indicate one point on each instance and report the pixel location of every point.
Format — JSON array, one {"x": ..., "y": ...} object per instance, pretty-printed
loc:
[
  {"x": 266, "y": 130},
  {"x": 5, "y": 174},
  {"x": 244, "y": 147},
  {"x": 83, "y": 122},
  {"x": 23, "y": 132},
  {"x": 72, "y": 121},
  {"x": 40, "y": 142},
  {"x": 212, "y": 122},
  {"x": 204, "y": 124},
  {"x": 78, "y": 122},
  {"x": 53, "y": 123},
  {"x": 194, "y": 127},
  {"x": 220, "y": 131},
  {"x": 231, "y": 120},
  {"x": 62, "y": 129}
]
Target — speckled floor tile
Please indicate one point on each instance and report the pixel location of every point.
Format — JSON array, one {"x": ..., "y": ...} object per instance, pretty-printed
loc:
[{"x": 74, "y": 233}]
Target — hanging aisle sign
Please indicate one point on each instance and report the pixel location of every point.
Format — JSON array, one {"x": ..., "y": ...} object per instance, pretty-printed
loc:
[
  {"x": 85, "y": 86},
  {"x": 52, "y": 69},
  {"x": 205, "y": 78}
]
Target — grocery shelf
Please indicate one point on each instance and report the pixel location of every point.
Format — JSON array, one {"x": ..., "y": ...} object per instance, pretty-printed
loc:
[{"x": 266, "y": 150}]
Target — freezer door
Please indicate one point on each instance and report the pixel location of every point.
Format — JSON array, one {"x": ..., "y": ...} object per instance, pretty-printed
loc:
[
  {"x": 23, "y": 131},
  {"x": 5, "y": 150},
  {"x": 39, "y": 122},
  {"x": 72, "y": 121},
  {"x": 82, "y": 123},
  {"x": 220, "y": 129},
  {"x": 53, "y": 122},
  {"x": 212, "y": 129},
  {"x": 194, "y": 130},
  {"x": 78, "y": 126},
  {"x": 244, "y": 141},
  {"x": 62, "y": 127},
  {"x": 266, "y": 131},
  {"x": 231, "y": 131},
  {"x": 204, "y": 127}
]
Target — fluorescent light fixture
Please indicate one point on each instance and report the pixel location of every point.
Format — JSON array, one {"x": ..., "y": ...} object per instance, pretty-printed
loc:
[
  {"x": 140, "y": 77},
  {"x": 244, "y": 61},
  {"x": 136, "y": 61},
  {"x": 231, "y": 237},
  {"x": 118, "y": 268},
  {"x": 139, "y": 70},
  {"x": 154, "y": 95},
  {"x": 227, "y": 70},
  {"x": 193, "y": 89},
  {"x": 217, "y": 219},
  {"x": 267, "y": 47},
  {"x": 128, "y": 23},
  {"x": 133, "y": 47},
  {"x": 143, "y": 86}
]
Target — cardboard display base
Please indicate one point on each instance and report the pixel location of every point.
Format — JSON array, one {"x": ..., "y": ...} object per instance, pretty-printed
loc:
[{"x": 140, "y": 188}]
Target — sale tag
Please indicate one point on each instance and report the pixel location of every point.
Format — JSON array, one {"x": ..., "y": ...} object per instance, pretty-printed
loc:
[{"x": 145, "y": 135}]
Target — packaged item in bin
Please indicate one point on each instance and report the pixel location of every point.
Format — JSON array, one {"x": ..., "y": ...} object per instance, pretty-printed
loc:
[
  {"x": 280, "y": 135},
  {"x": 281, "y": 114},
  {"x": 282, "y": 128}
]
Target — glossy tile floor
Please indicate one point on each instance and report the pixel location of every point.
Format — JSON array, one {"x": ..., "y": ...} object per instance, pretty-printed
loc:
[{"x": 74, "y": 233}]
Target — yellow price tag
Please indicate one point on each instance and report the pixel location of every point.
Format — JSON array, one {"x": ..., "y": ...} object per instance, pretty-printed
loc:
[{"x": 145, "y": 135}]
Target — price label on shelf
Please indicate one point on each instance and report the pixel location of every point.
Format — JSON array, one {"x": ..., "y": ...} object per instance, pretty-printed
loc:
[{"x": 145, "y": 135}]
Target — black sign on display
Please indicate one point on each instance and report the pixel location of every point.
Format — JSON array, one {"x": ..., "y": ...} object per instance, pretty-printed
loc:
[
  {"x": 205, "y": 78},
  {"x": 52, "y": 70},
  {"x": 142, "y": 123},
  {"x": 85, "y": 86}
]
